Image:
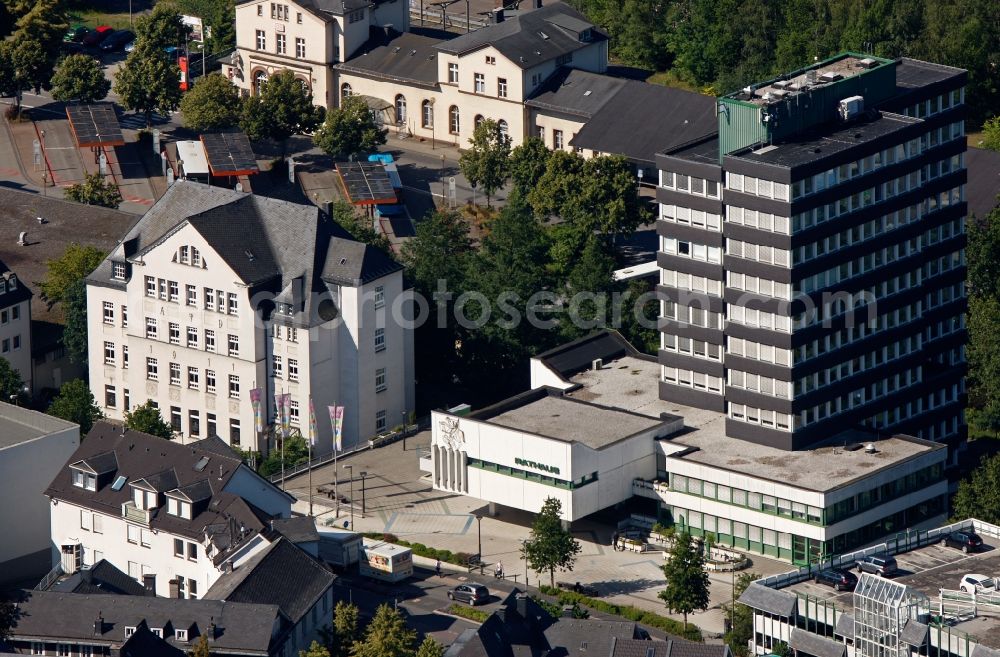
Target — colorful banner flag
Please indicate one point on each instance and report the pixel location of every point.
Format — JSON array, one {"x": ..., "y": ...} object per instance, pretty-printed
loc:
[
  {"x": 258, "y": 416},
  {"x": 286, "y": 414},
  {"x": 337, "y": 422},
  {"x": 279, "y": 414},
  {"x": 312, "y": 423}
]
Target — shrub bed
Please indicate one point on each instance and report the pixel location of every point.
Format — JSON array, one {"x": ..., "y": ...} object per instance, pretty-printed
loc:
[
  {"x": 628, "y": 612},
  {"x": 471, "y": 613}
]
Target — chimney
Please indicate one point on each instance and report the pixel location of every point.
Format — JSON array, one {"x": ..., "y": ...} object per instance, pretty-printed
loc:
[
  {"x": 211, "y": 628},
  {"x": 522, "y": 606},
  {"x": 536, "y": 4},
  {"x": 175, "y": 592},
  {"x": 99, "y": 625},
  {"x": 86, "y": 574},
  {"x": 497, "y": 15}
]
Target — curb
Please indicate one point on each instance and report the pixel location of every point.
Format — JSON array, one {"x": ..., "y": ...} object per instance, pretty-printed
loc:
[{"x": 441, "y": 612}]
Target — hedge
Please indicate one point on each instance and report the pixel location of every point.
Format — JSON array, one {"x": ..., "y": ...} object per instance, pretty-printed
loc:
[
  {"x": 471, "y": 613},
  {"x": 419, "y": 549},
  {"x": 668, "y": 625}
]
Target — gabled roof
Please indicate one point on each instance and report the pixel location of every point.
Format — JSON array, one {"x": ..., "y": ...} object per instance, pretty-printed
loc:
[
  {"x": 328, "y": 10},
  {"x": 632, "y": 122},
  {"x": 764, "y": 598},
  {"x": 101, "y": 578},
  {"x": 70, "y": 617},
  {"x": 281, "y": 574},
  {"x": 573, "y": 636},
  {"x": 97, "y": 464},
  {"x": 298, "y": 529},
  {"x": 530, "y": 37},
  {"x": 169, "y": 465},
  {"x": 405, "y": 58},
  {"x": 267, "y": 242},
  {"x": 815, "y": 644},
  {"x": 159, "y": 482},
  {"x": 576, "y": 92}
]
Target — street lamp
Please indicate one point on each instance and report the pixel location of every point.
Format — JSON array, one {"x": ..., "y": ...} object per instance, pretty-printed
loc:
[
  {"x": 350, "y": 470},
  {"x": 443, "y": 194},
  {"x": 479, "y": 529},
  {"x": 363, "y": 475},
  {"x": 432, "y": 117},
  {"x": 404, "y": 430},
  {"x": 524, "y": 554}
]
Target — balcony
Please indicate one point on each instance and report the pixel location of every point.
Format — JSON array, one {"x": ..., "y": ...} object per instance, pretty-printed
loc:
[
  {"x": 132, "y": 513},
  {"x": 653, "y": 490}
]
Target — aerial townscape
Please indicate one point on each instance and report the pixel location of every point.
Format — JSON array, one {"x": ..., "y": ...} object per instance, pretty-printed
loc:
[{"x": 500, "y": 328}]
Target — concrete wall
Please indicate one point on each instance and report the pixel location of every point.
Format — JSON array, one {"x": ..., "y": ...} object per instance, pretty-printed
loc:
[
  {"x": 26, "y": 469},
  {"x": 15, "y": 339},
  {"x": 542, "y": 375}
]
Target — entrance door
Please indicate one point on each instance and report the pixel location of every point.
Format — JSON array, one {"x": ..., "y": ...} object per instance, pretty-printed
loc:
[{"x": 799, "y": 555}]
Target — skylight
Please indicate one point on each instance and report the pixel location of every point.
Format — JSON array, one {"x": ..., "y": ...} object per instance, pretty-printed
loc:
[
  {"x": 119, "y": 482},
  {"x": 201, "y": 464}
]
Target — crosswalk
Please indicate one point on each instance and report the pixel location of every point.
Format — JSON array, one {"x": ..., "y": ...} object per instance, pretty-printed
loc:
[{"x": 137, "y": 121}]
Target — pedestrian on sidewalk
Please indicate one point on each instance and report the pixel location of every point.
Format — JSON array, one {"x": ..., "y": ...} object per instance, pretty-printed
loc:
[
  {"x": 614, "y": 541},
  {"x": 437, "y": 568}
]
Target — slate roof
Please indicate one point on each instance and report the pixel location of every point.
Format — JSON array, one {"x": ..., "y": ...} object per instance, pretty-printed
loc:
[
  {"x": 52, "y": 616},
  {"x": 575, "y": 92},
  {"x": 281, "y": 574},
  {"x": 815, "y": 644},
  {"x": 137, "y": 455},
  {"x": 507, "y": 632},
  {"x": 764, "y": 598},
  {"x": 101, "y": 578},
  {"x": 529, "y": 38},
  {"x": 643, "y": 119},
  {"x": 579, "y": 355},
  {"x": 328, "y": 10},
  {"x": 298, "y": 529},
  {"x": 914, "y": 633},
  {"x": 575, "y": 636},
  {"x": 983, "y": 170},
  {"x": 267, "y": 242},
  {"x": 406, "y": 58},
  {"x": 845, "y": 625},
  {"x": 672, "y": 648}
]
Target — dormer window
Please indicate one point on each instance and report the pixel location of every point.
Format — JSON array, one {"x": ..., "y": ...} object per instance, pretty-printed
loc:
[
  {"x": 84, "y": 480},
  {"x": 144, "y": 499},
  {"x": 157, "y": 631},
  {"x": 129, "y": 631},
  {"x": 12, "y": 283},
  {"x": 181, "y": 635},
  {"x": 119, "y": 271},
  {"x": 586, "y": 35},
  {"x": 189, "y": 255},
  {"x": 178, "y": 508}
]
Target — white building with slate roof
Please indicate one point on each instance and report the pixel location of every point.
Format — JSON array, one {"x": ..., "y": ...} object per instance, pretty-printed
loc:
[{"x": 213, "y": 293}]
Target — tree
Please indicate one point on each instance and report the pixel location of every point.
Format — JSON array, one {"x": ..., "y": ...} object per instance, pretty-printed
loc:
[
  {"x": 991, "y": 134},
  {"x": 687, "y": 581},
  {"x": 781, "y": 649},
  {"x": 75, "y": 264},
  {"x": 487, "y": 162},
  {"x": 284, "y": 107},
  {"x": 977, "y": 493},
  {"x": 212, "y": 104},
  {"x": 527, "y": 163},
  {"x": 75, "y": 403},
  {"x": 350, "y": 129},
  {"x": 149, "y": 80},
  {"x": 606, "y": 197},
  {"x": 201, "y": 648},
  {"x": 315, "y": 650},
  {"x": 558, "y": 185},
  {"x": 550, "y": 546},
  {"x": 386, "y": 636},
  {"x": 80, "y": 78},
  {"x": 95, "y": 190},
  {"x": 360, "y": 226},
  {"x": 295, "y": 452},
  {"x": 438, "y": 252},
  {"x": 983, "y": 254},
  {"x": 341, "y": 637},
  {"x": 11, "y": 384},
  {"x": 28, "y": 57},
  {"x": 984, "y": 363},
  {"x": 741, "y": 617},
  {"x": 588, "y": 292},
  {"x": 430, "y": 648},
  {"x": 147, "y": 419},
  {"x": 161, "y": 29},
  {"x": 9, "y": 615}
]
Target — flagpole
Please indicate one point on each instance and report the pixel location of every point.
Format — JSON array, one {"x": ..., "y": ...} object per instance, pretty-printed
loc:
[
  {"x": 336, "y": 470},
  {"x": 283, "y": 437},
  {"x": 312, "y": 433}
]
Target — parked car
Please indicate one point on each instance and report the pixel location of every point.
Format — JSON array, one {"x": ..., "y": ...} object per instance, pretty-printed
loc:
[
  {"x": 130, "y": 46},
  {"x": 472, "y": 594},
  {"x": 76, "y": 34},
  {"x": 72, "y": 48},
  {"x": 100, "y": 33},
  {"x": 878, "y": 565},
  {"x": 966, "y": 541},
  {"x": 977, "y": 584},
  {"x": 841, "y": 580},
  {"x": 117, "y": 41}
]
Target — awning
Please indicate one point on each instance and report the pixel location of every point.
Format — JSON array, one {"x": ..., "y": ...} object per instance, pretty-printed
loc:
[
  {"x": 764, "y": 598},
  {"x": 914, "y": 633},
  {"x": 845, "y": 625},
  {"x": 375, "y": 104},
  {"x": 816, "y": 645}
]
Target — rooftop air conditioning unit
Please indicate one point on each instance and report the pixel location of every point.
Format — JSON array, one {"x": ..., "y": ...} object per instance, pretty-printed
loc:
[
  {"x": 830, "y": 76},
  {"x": 782, "y": 84},
  {"x": 868, "y": 62},
  {"x": 811, "y": 76},
  {"x": 848, "y": 108}
]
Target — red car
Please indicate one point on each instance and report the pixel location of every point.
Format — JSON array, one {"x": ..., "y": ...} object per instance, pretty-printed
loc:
[{"x": 93, "y": 39}]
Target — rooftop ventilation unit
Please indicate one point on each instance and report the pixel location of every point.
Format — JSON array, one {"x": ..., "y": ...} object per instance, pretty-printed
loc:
[
  {"x": 597, "y": 363},
  {"x": 811, "y": 76},
  {"x": 782, "y": 84},
  {"x": 868, "y": 62},
  {"x": 849, "y": 108},
  {"x": 778, "y": 94},
  {"x": 870, "y": 448},
  {"x": 830, "y": 76}
]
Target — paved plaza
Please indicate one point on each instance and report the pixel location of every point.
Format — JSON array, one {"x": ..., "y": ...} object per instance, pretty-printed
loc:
[{"x": 398, "y": 499}]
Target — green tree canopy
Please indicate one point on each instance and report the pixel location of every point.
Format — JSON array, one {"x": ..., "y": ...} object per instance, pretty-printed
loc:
[
  {"x": 74, "y": 265},
  {"x": 486, "y": 163},
  {"x": 983, "y": 354},
  {"x": 439, "y": 251},
  {"x": 9, "y": 615},
  {"x": 11, "y": 384},
  {"x": 80, "y": 78},
  {"x": 430, "y": 648},
  {"x": 345, "y": 630},
  {"x": 315, "y": 650},
  {"x": 983, "y": 255},
  {"x": 360, "y": 226},
  {"x": 350, "y": 129},
  {"x": 991, "y": 134},
  {"x": 28, "y": 57},
  {"x": 95, "y": 190},
  {"x": 740, "y": 617},
  {"x": 687, "y": 581},
  {"x": 557, "y": 187},
  {"x": 588, "y": 293},
  {"x": 283, "y": 108},
  {"x": 386, "y": 636},
  {"x": 527, "y": 163},
  {"x": 75, "y": 403},
  {"x": 296, "y": 451},
  {"x": 550, "y": 546},
  {"x": 147, "y": 419},
  {"x": 149, "y": 80},
  {"x": 607, "y": 197},
  {"x": 212, "y": 104},
  {"x": 74, "y": 306},
  {"x": 978, "y": 493},
  {"x": 161, "y": 29},
  {"x": 201, "y": 648}
]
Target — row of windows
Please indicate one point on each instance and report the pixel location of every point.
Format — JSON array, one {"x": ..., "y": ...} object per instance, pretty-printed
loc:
[
  {"x": 758, "y": 252},
  {"x": 281, "y": 44},
  {"x": 531, "y": 475},
  {"x": 288, "y": 333},
  {"x": 758, "y": 318},
  {"x": 684, "y": 281},
  {"x": 558, "y": 140},
  {"x": 691, "y": 315},
  {"x": 858, "y": 331},
  {"x": 278, "y": 371},
  {"x": 689, "y": 184},
  {"x": 765, "y": 385},
  {"x": 11, "y": 314},
  {"x": 751, "y": 500},
  {"x": 757, "y": 186},
  {"x": 214, "y": 300},
  {"x": 696, "y": 380},
  {"x": 8, "y": 284},
  {"x": 699, "y": 219},
  {"x": 757, "y": 285},
  {"x": 691, "y": 250},
  {"x": 936, "y": 104},
  {"x": 857, "y": 397},
  {"x": 866, "y": 363},
  {"x": 10, "y": 344},
  {"x": 153, "y": 374},
  {"x": 845, "y": 172},
  {"x": 859, "y": 266},
  {"x": 760, "y": 220},
  {"x": 689, "y": 347},
  {"x": 761, "y": 416},
  {"x": 757, "y": 351}
]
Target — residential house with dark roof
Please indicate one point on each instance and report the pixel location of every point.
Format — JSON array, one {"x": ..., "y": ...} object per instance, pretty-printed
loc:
[
  {"x": 214, "y": 294},
  {"x": 58, "y": 623},
  {"x": 307, "y": 37},
  {"x": 173, "y": 517}
]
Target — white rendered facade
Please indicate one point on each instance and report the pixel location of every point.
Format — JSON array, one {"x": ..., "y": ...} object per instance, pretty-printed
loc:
[
  {"x": 15, "y": 326},
  {"x": 33, "y": 446},
  {"x": 160, "y": 333}
]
